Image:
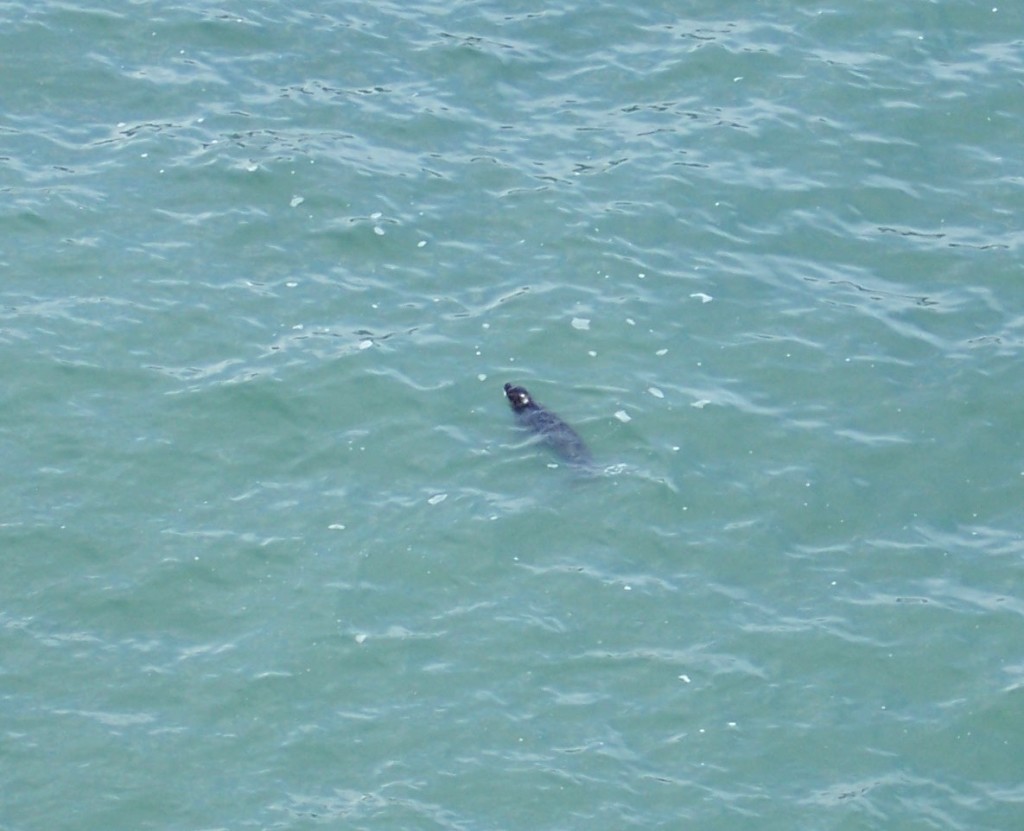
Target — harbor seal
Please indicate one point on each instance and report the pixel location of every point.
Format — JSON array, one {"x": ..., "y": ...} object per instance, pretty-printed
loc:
[{"x": 558, "y": 435}]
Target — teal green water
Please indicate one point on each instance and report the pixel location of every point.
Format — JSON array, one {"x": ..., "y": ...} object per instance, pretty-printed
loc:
[{"x": 274, "y": 552}]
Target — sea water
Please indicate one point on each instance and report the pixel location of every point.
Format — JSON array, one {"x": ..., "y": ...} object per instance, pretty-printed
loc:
[{"x": 274, "y": 552}]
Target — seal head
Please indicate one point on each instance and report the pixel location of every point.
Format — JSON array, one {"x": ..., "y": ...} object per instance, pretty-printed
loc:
[{"x": 519, "y": 398}]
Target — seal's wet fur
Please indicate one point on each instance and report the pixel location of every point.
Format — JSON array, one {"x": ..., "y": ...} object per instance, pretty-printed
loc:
[{"x": 558, "y": 435}]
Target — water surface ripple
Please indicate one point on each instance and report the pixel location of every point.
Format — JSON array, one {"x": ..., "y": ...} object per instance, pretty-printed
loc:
[{"x": 276, "y": 554}]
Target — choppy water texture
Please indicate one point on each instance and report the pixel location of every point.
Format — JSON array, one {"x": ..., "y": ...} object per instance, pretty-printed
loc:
[{"x": 275, "y": 554}]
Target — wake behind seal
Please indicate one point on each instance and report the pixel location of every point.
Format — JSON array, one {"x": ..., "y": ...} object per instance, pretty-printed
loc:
[{"x": 558, "y": 435}]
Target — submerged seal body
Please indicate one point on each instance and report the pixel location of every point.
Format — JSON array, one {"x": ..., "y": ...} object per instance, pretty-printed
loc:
[{"x": 558, "y": 435}]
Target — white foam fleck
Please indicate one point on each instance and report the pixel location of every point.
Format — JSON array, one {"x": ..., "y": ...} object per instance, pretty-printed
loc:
[
  {"x": 365, "y": 344},
  {"x": 656, "y": 392},
  {"x": 437, "y": 498},
  {"x": 702, "y": 297},
  {"x": 623, "y": 416},
  {"x": 700, "y": 405},
  {"x": 580, "y": 323},
  {"x": 296, "y": 201}
]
